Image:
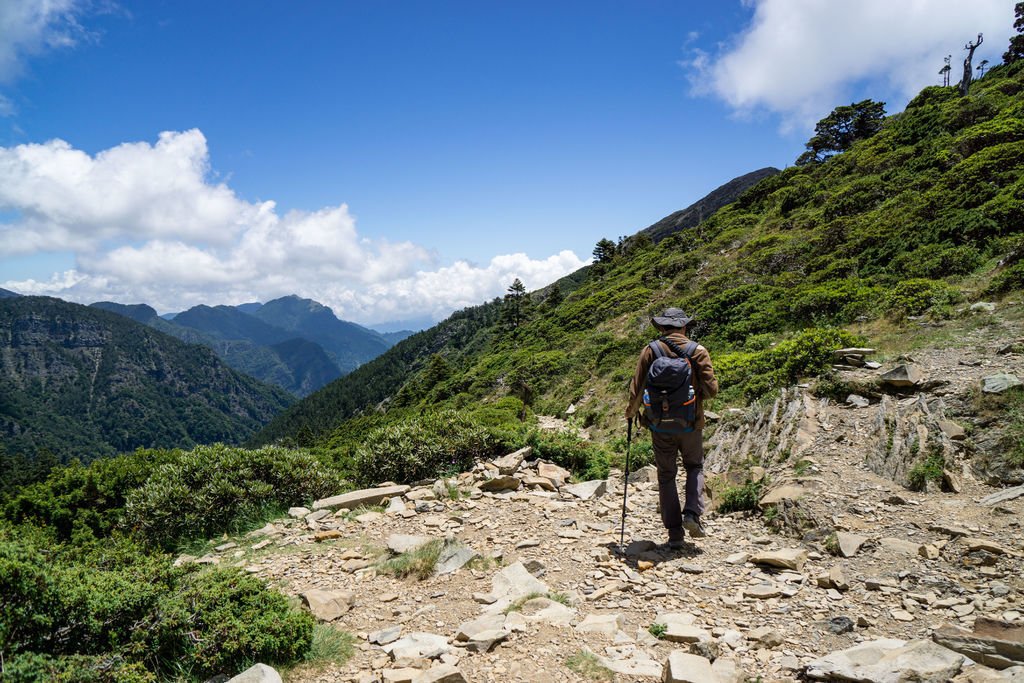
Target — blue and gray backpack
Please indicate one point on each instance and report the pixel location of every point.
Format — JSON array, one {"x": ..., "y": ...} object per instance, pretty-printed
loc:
[{"x": 670, "y": 401}]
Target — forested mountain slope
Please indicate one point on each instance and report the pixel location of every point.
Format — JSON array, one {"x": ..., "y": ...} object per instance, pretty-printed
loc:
[
  {"x": 78, "y": 381},
  {"x": 906, "y": 223}
]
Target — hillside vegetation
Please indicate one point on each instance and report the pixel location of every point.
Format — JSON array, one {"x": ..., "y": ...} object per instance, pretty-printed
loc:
[
  {"x": 78, "y": 382},
  {"x": 911, "y": 222}
]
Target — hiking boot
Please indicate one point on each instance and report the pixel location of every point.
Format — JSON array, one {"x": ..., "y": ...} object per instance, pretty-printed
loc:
[
  {"x": 692, "y": 524},
  {"x": 675, "y": 538}
]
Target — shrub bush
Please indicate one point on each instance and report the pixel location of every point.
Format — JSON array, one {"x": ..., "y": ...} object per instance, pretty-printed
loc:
[
  {"x": 916, "y": 296},
  {"x": 803, "y": 355},
  {"x": 221, "y": 621},
  {"x": 583, "y": 458},
  {"x": 32, "y": 667},
  {"x": 114, "y": 612},
  {"x": 213, "y": 489},
  {"x": 427, "y": 446}
]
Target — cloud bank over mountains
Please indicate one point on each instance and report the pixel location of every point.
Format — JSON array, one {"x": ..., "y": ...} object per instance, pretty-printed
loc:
[
  {"x": 146, "y": 223},
  {"x": 801, "y": 58}
]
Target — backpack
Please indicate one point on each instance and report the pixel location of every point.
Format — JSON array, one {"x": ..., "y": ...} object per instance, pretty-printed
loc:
[{"x": 670, "y": 400}]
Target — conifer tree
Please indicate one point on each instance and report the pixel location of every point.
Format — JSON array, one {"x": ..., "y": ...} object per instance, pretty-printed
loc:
[{"x": 1016, "y": 49}]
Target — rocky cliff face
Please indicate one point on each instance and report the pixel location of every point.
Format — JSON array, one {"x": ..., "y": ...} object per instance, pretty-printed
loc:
[{"x": 82, "y": 382}]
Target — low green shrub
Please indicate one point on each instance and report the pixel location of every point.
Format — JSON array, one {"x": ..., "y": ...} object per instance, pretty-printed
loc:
[
  {"x": 213, "y": 489},
  {"x": 428, "y": 446},
  {"x": 85, "y": 501},
  {"x": 926, "y": 470},
  {"x": 31, "y": 667},
  {"x": 1010, "y": 279},
  {"x": 114, "y": 612},
  {"x": 739, "y": 498},
  {"x": 222, "y": 621},
  {"x": 805, "y": 354},
  {"x": 586, "y": 459},
  {"x": 916, "y": 296}
]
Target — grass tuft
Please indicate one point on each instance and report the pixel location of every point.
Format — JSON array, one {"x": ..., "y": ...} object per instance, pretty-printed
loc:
[
  {"x": 419, "y": 562},
  {"x": 589, "y": 666},
  {"x": 517, "y": 606}
]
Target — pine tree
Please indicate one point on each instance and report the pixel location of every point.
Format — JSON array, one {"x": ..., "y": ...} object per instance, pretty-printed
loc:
[
  {"x": 1016, "y": 49},
  {"x": 515, "y": 299}
]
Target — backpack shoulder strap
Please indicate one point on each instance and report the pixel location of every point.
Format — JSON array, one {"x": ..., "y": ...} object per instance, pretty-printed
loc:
[
  {"x": 656, "y": 348},
  {"x": 686, "y": 352}
]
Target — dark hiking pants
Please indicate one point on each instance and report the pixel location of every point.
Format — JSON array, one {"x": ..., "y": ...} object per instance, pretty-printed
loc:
[{"x": 667, "y": 449}]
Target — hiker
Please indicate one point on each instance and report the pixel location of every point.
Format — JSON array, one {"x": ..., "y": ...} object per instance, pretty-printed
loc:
[{"x": 679, "y": 431}]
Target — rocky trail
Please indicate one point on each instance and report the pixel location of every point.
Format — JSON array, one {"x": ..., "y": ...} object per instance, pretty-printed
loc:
[{"x": 845, "y": 574}]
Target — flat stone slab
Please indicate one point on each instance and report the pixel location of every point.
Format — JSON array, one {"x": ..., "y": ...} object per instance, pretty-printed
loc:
[
  {"x": 1003, "y": 496},
  {"x": 355, "y": 499},
  {"x": 903, "y": 375},
  {"x": 977, "y": 543},
  {"x": 888, "y": 661},
  {"x": 442, "y": 673},
  {"x": 547, "y": 611},
  {"x": 997, "y": 644},
  {"x": 404, "y": 543},
  {"x": 509, "y": 464},
  {"x": 328, "y": 605},
  {"x": 454, "y": 557},
  {"x": 471, "y": 630},
  {"x": 605, "y": 624},
  {"x": 384, "y": 636},
  {"x": 260, "y": 673},
  {"x": 588, "y": 489},
  {"x": 763, "y": 591},
  {"x": 781, "y": 493},
  {"x": 900, "y": 545},
  {"x": 682, "y": 667},
  {"x": 849, "y": 543},
  {"x": 788, "y": 558},
  {"x": 556, "y": 474},
  {"x": 503, "y": 482},
  {"x": 998, "y": 383},
  {"x": 514, "y": 582},
  {"x": 416, "y": 645}
]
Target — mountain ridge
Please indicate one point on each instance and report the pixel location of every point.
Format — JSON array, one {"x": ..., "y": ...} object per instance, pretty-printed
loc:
[{"x": 85, "y": 382}]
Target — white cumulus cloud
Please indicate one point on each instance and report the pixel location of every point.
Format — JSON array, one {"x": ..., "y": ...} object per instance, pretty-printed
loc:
[
  {"x": 801, "y": 58},
  {"x": 148, "y": 223}
]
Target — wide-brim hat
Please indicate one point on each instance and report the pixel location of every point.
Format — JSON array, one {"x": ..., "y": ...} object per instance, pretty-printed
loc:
[{"x": 672, "y": 317}]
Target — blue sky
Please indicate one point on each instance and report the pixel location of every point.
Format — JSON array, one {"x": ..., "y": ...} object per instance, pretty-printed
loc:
[{"x": 417, "y": 155}]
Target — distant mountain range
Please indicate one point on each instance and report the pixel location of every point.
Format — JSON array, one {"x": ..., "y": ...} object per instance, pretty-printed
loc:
[
  {"x": 297, "y": 344},
  {"x": 78, "y": 381}
]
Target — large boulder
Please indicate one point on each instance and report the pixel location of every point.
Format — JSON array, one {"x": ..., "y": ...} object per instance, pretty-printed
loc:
[
  {"x": 788, "y": 558},
  {"x": 328, "y": 605},
  {"x": 903, "y": 376},
  {"x": 888, "y": 661},
  {"x": 682, "y": 667},
  {"x": 997, "y": 644}
]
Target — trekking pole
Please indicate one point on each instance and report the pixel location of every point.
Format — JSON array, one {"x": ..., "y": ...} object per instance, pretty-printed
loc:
[{"x": 625, "y": 483}]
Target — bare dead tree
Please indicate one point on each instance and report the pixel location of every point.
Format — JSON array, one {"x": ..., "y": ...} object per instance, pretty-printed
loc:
[{"x": 965, "y": 82}]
